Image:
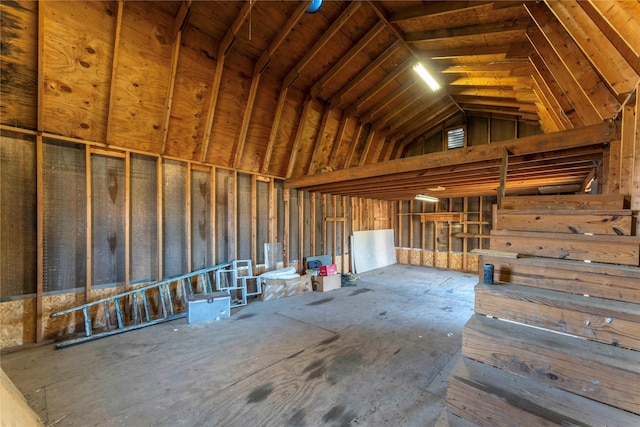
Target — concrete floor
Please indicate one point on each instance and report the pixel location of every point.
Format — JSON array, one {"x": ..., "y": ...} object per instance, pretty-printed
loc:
[{"x": 374, "y": 354}]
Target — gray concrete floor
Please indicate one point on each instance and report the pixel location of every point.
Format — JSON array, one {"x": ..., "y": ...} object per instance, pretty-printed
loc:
[{"x": 374, "y": 354}]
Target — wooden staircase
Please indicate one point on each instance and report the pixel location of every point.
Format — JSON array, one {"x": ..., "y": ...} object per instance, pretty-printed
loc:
[{"x": 556, "y": 340}]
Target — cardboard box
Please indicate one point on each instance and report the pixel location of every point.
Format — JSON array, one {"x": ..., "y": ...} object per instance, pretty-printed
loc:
[
  {"x": 327, "y": 283},
  {"x": 328, "y": 270},
  {"x": 206, "y": 307},
  {"x": 281, "y": 288}
]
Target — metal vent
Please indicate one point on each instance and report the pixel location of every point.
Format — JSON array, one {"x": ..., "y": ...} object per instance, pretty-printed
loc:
[{"x": 455, "y": 138}]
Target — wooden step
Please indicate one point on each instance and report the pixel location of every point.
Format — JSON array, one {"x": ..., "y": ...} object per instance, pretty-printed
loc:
[
  {"x": 605, "y": 321},
  {"x": 615, "y": 282},
  {"x": 489, "y": 396},
  {"x": 575, "y": 202},
  {"x": 613, "y": 223},
  {"x": 623, "y": 250},
  {"x": 593, "y": 370}
]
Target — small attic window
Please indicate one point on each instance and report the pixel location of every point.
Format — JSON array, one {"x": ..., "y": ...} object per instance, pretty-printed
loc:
[{"x": 455, "y": 138}]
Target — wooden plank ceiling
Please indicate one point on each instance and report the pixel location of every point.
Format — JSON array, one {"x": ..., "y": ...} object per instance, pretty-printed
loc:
[{"x": 267, "y": 88}]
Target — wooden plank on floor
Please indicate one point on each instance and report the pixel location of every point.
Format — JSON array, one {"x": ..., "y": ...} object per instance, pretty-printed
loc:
[
  {"x": 144, "y": 371},
  {"x": 608, "y": 249},
  {"x": 614, "y": 223},
  {"x": 486, "y": 395},
  {"x": 597, "y": 371},
  {"x": 578, "y": 202},
  {"x": 605, "y": 321},
  {"x": 609, "y": 281}
]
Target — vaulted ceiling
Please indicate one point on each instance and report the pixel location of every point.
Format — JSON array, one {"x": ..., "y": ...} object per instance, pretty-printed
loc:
[{"x": 268, "y": 88}]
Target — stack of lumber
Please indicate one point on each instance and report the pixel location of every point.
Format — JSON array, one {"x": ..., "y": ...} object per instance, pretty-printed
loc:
[{"x": 556, "y": 339}]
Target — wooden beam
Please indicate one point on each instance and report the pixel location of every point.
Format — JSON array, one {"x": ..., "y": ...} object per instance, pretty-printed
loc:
[
  {"x": 367, "y": 147},
  {"x": 114, "y": 71},
  {"x": 212, "y": 216},
  {"x": 187, "y": 220},
  {"x": 244, "y": 128},
  {"x": 590, "y": 135},
  {"x": 353, "y": 109},
  {"x": 39, "y": 236},
  {"x": 353, "y": 146},
  {"x": 313, "y": 166},
  {"x": 558, "y": 101},
  {"x": 619, "y": 21},
  {"x": 282, "y": 99},
  {"x": 372, "y": 112},
  {"x": 484, "y": 31},
  {"x": 41, "y": 78},
  {"x": 182, "y": 17},
  {"x": 170, "y": 89},
  {"x": 160, "y": 216},
  {"x": 504, "y": 168},
  {"x": 628, "y": 146},
  {"x": 344, "y": 17},
  {"x": 604, "y": 56},
  {"x": 635, "y": 191},
  {"x": 254, "y": 218},
  {"x": 347, "y": 58},
  {"x": 575, "y": 62},
  {"x": 380, "y": 59},
  {"x": 89, "y": 226},
  {"x": 338, "y": 142},
  {"x": 298, "y": 139},
  {"x": 127, "y": 221},
  {"x": 223, "y": 50},
  {"x": 286, "y": 197},
  {"x": 430, "y": 10},
  {"x": 399, "y": 109}
]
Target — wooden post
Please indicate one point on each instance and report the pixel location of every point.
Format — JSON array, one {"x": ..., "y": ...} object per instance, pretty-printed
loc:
[
  {"x": 160, "y": 228},
  {"x": 286, "y": 196},
  {"x": 254, "y": 219},
  {"x": 187, "y": 209},
  {"x": 89, "y": 227},
  {"x": 40, "y": 237},
  {"x": 301, "y": 266},
  {"x": 127, "y": 220},
  {"x": 212, "y": 218}
]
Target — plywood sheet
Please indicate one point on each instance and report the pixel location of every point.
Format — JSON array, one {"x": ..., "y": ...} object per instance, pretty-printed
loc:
[
  {"x": 77, "y": 67},
  {"x": 373, "y": 249},
  {"x": 19, "y": 63},
  {"x": 142, "y": 78}
]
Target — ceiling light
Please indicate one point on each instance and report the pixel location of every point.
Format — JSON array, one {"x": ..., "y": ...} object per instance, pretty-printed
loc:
[
  {"x": 314, "y": 6},
  {"x": 426, "y": 198},
  {"x": 422, "y": 72}
]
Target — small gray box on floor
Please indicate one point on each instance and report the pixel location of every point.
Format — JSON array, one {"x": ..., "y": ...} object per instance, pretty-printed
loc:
[{"x": 206, "y": 307}]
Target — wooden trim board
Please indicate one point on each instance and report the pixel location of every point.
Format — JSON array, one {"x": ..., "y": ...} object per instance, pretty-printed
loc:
[
  {"x": 609, "y": 249},
  {"x": 615, "y": 282},
  {"x": 606, "y": 321},
  {"x": 597, "y": 371}
]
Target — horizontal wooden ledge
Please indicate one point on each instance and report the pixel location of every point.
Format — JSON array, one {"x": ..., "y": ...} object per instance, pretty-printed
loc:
[
  {"x": 580, "y": 137},
  {"x": 609, "y": 249},
  {"x": 608, "y": 281},
  {"x": 606, "y": 321},
  {"x": 594, "y": 370},
  {"x": 482, "y": 394},
  {"x": 601, "y": 222},
  {"x": 571, "y": 202}
]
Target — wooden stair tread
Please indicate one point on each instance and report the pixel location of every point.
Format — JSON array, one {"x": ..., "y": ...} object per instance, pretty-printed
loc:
[
  {"x": 574, "y": 202},
  {"x": 607, "y": 249},
  {"x": 486, "y": 395},
  {"x": 610, "y": 281},
  {"x": 612, "y": 223},
  {"x": 606, "y": 321},
  {"x": 593, "y": 370}
]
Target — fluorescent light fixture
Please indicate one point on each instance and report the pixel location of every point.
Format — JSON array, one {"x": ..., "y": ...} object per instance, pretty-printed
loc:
[
  {"x": 426, "y": 198},
  {"x": 422, "y": 72}
]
